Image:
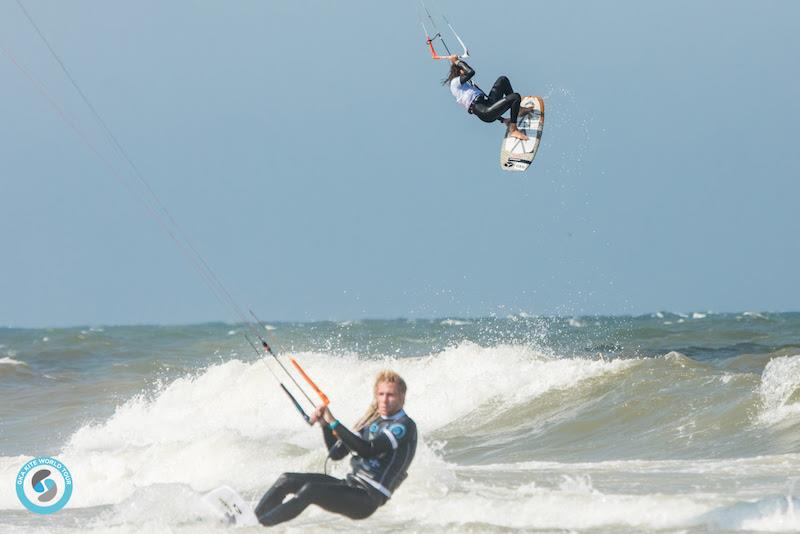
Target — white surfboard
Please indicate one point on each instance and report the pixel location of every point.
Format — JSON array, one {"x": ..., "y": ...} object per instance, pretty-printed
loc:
[
  {"x": 230, "y": 507},
  {"x": 517, "y": 155}
]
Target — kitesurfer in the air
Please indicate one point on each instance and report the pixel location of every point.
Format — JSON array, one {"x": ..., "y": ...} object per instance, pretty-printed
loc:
[
  {"x": 382, "y": 446},
  {"x": 487, "y": 108}
]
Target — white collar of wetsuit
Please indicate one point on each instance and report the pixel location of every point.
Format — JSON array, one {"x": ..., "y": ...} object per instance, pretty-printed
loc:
[{"x": 394, "y": 417}]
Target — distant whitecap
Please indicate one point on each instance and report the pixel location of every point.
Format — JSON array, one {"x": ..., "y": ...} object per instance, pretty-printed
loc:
[{"x": 454, "y": 322}]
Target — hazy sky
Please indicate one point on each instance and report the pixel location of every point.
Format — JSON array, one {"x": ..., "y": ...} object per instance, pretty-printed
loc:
[{"x": 323, "y": 172}]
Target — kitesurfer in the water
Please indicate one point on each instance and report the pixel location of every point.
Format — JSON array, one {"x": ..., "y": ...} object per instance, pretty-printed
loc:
[
  {"x": 487, "y": 108},
  {"x": 382, "y": 446}
]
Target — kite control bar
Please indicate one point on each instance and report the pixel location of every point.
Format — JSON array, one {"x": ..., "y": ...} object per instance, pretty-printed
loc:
[
  {"x": 434, "y": 55},
  {"x": 429, "y": 39},
  {"x": 311, "y": 383}
]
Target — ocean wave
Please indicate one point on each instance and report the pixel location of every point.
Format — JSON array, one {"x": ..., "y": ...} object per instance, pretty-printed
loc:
[
  {"x": 576, "y": 323},
  {"x": 568, "y": 502},
  {"x": 229, "y": 423},
  {"x": 10, "y": 366},
  {"x": 237, "y": 407},
  {"x": 500, "y": 393},
  {"x": 776, "y": 513},
  {"x": 753, "y": 315},
  {"x": 670, "y": 407},
  {"x": 454, "y": 322},
  {"x": 762, "y": 466},
  {"x": 780, "y": 389}
]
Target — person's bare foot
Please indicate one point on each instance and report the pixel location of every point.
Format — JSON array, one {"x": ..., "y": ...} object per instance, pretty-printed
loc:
[
  {"x": 516, "y": 134},
  {"x": 524, "y": 111}
]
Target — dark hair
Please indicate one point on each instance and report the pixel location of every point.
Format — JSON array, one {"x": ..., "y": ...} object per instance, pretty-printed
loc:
[{"x": 455, "y": 71}]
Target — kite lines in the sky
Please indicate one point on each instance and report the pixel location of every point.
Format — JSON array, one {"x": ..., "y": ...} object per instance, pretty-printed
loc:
[{"x": 438, "y": 35}]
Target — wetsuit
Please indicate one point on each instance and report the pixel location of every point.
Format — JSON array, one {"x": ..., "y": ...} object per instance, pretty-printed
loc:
[
  {"x": 382, "y": 453},
  {"x": 487, "y": 108}
]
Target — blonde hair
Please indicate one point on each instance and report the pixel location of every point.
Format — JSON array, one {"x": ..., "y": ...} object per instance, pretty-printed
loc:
[{"x": 372, "y": 412}]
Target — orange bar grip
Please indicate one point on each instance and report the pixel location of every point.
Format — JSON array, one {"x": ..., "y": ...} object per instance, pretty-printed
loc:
[
  {"x": 311, "y": 383},
  {"x": 434, "y": 55}
]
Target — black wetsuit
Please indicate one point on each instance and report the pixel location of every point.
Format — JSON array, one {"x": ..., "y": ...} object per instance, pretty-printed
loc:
[
  {"x": 502, "y": 97},
  {"x": 382, "y": 453}
]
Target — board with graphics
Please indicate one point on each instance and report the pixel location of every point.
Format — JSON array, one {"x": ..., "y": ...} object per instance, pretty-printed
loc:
[
  {"x": 515, "y": 154},
  {"x": 230, "y": 507}
]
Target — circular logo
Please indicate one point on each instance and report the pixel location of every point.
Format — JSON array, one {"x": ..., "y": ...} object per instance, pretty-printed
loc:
[
  {"x": 398, "y": 430},
  {"x": 44, "y": 485},
  {"x": 373, "y": 427}
]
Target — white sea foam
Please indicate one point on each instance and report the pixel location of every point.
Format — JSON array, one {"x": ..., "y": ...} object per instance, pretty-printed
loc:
[
  {"x": 769, "y": 514},
  {"x": 596, "y": 508},
  {"x": 572, "y": 503},
  {"x": 769, "y": 465},
  {"x": 454, "y": 322},
  {"x": 576, "y": 323},
  {"x": 779, "y": 389},
  {"x": 11, "y": 361},
  {"x": 699, "y": 315}
]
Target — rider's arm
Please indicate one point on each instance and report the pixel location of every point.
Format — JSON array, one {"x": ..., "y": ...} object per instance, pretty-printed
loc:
[
  {"x": 363, "y": 447},
  {"x": 468, "y": 71},
  {"x": 336, "y": 449}
]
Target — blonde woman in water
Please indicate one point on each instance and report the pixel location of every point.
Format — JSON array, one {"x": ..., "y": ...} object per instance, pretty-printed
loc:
[{"x": 382, "y": 447}]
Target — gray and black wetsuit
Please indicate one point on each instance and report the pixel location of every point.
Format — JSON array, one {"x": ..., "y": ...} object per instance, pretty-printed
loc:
[
  {"x": 502, "y": 97},
  {"x": 382, "y": 452}
]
